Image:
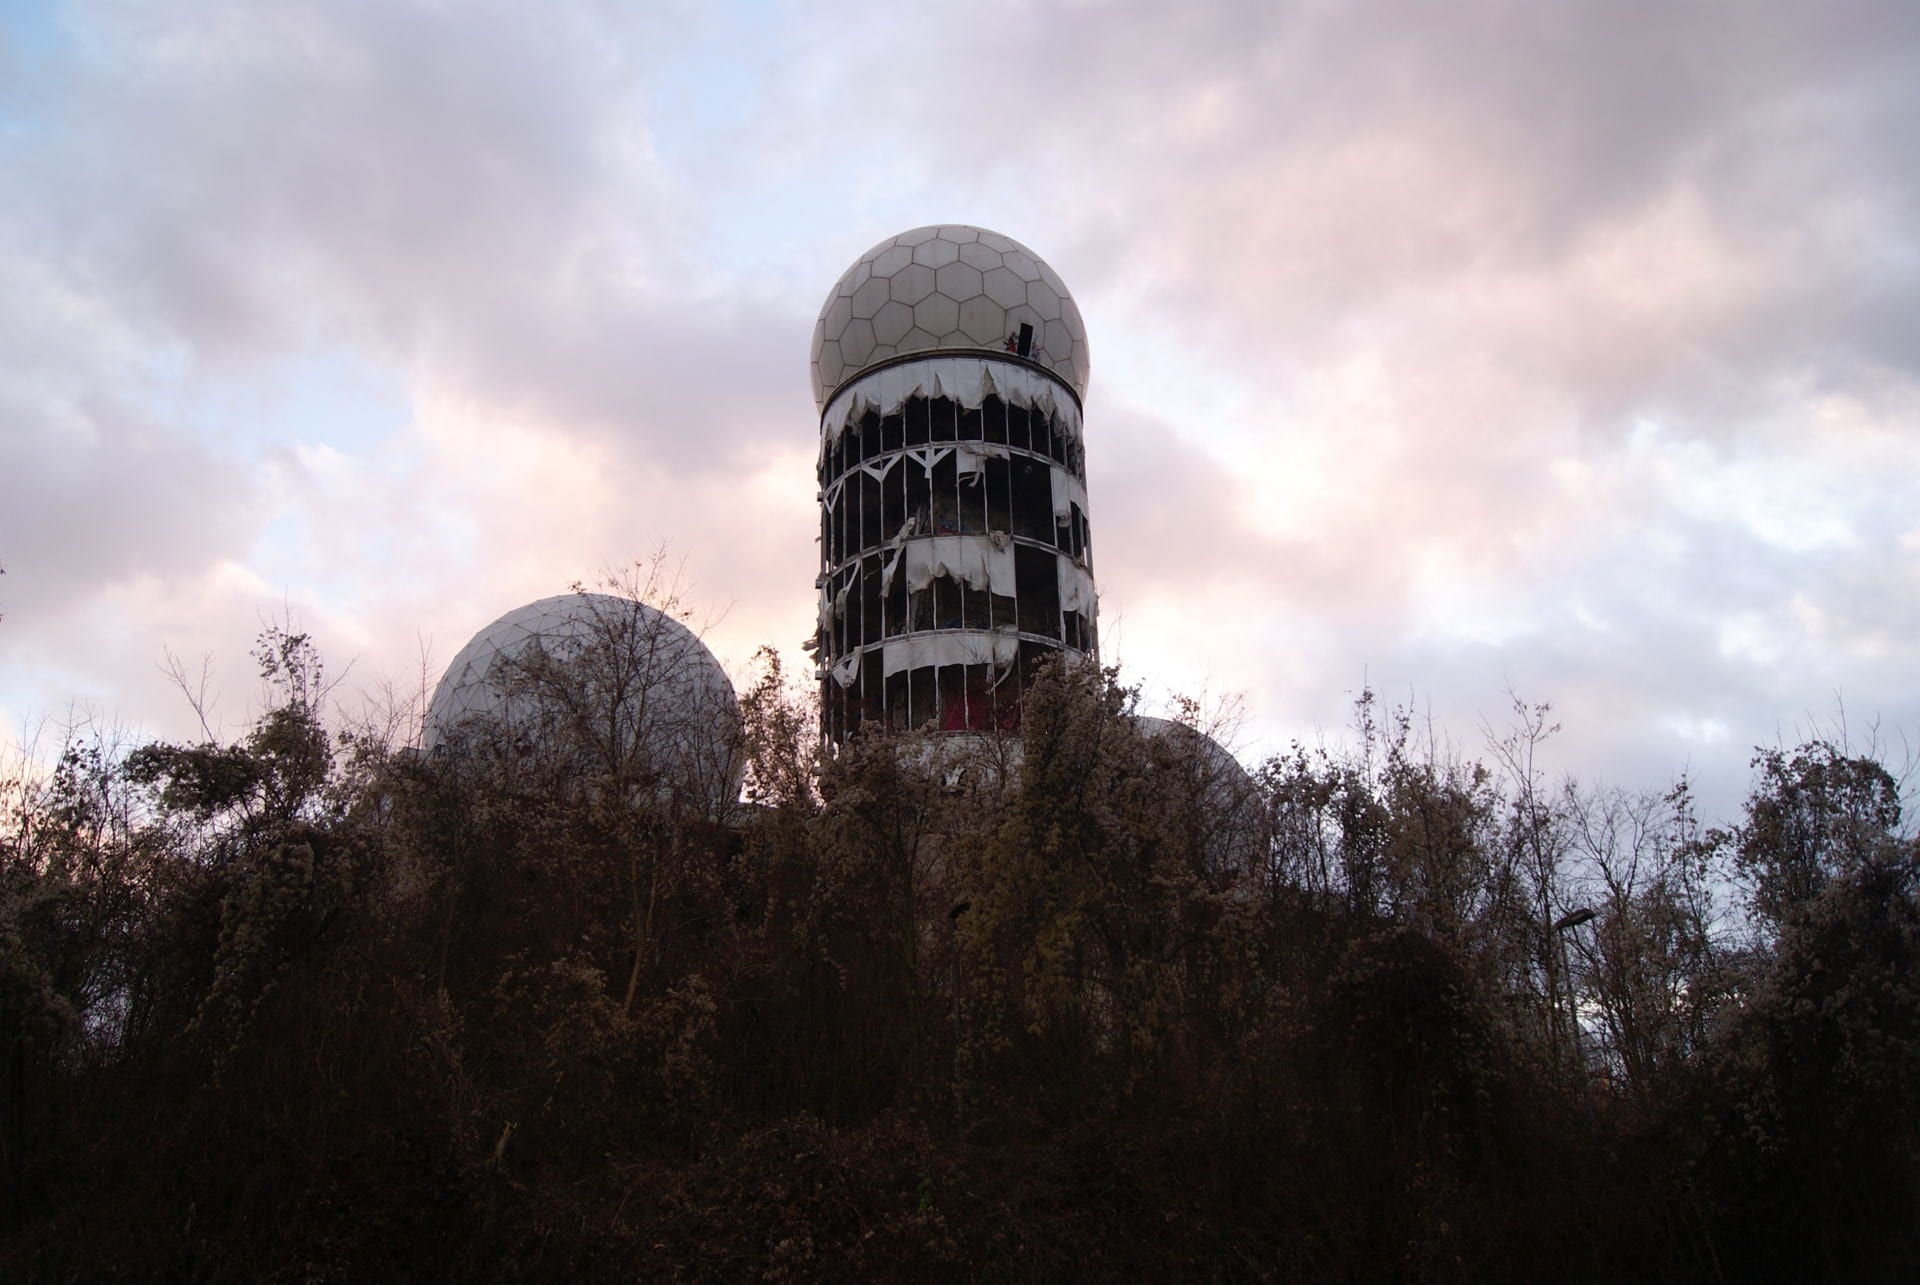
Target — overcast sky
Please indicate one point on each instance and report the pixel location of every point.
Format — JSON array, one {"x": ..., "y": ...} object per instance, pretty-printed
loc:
[{"x": 1572, "y": 349}]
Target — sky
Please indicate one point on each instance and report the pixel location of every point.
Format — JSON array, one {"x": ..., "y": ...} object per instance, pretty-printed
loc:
[{"x": 1461, "y": 350}]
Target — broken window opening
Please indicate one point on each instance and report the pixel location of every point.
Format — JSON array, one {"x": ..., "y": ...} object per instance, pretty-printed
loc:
[
  {"x": 969, "y": 427},
  {"x": 871, "y": 620},
  {"x": 1023, "y": 342},
  {"x": 896, "y": 606},
  {"x": 976, "y": 611},
  {"x": 1042, "y": 435},
  {"x": 896, "y": 701},
  {"x": 870, "y": 532},
  {"x": 940, "y": 416},
  {"x": 916, "y": 421},
  {"x": 920, "y": 697},
  {"x": 918, "y": 496},
  {"x": 946, "y": 603},
  {"x": 973, "y": 505},
  {"x": 1017, "y": 426},
  {"x": 893, "y": 499},
  {"x": 869, "y": 435},
  {"x": 993, "y": 420},
  {"x": 1036, "y": 584},
  {"x": 890, "y": 434},
  {"x": 945, "y": 483},
  {"x": 999, "y": 495},
  {"x": 1032, "y": 501}
]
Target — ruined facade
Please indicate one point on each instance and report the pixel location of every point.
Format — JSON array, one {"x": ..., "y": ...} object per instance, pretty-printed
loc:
[{"x": 949, "y": 367}]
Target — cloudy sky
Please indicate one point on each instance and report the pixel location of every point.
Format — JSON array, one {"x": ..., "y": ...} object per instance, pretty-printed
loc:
[{"x": 1568, "y": 349}]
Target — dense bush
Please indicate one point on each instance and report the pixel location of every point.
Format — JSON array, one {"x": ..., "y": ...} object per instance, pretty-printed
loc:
[{"x": 302, "y": 1007}]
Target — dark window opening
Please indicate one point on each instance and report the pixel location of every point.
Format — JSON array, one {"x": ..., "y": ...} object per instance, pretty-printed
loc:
[
  {"x": 946, "y": 603},
  {"x": 869, "y": 435},
  {"x": 946, "y": 496},
  {"x": 920, "y": 696},
  {"x": 893, "y": 506},
  {"x": 916, "y": 422},
  {"x": 1006, "y": 612},
  {"x": 1036, "y": 583},
  {"x": 975, "y": 610},
  {"x": 1024, "y": 344},
  {"x": 1032, "y": 500},
  {"x": 993, "y": 419},
  {"x": 917, "y": 494},
  {"x": 870, "y": 570},
  {"x": 870, "y": 533},
  {"x": 890, "y": 432},
  {"x": 1042, "y": 436},
  {"x": 1074, "y": 630},
  {"x": 1017, "y": 423},
  {"x": 940, "y": 414},
  {"x": 896, "y": 698},
  {"x": 998, "y": 486},
  {"x": 973, "y": 504},
  {"x": 896, "y": 604},
  {"x": 969, "y": 430}
]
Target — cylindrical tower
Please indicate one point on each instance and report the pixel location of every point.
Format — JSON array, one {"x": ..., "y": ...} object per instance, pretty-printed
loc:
[{"x": 949, "y": 366}]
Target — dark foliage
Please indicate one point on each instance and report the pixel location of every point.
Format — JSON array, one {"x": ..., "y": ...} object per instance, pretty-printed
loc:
[{"x": 296, "y": 1008}]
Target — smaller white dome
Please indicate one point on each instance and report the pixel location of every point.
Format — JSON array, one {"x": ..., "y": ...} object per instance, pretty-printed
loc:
[
  {"x": 1231, "y": 801},
  {"x": 619, "y": 684}
]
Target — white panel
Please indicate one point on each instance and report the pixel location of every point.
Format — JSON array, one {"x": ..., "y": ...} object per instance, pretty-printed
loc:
[
  {"x": 970, "y": 648},
  {"x": 976, "y": 561},
  {"x": 969, "y": 380},
  {"x": 1076, "y": 587}
]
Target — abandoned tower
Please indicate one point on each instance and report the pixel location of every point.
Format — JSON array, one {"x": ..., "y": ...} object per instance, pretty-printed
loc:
[{"x": 949, "y": 368}]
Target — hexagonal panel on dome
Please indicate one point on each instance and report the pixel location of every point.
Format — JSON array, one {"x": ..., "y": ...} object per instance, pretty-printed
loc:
[
  {"x": 958, "y": 281},
  {"x": 977, "y": 254},
  {"x": 1004, "y": 288},
  {"x": 936, "y": 314},
  {"x": 911, "y": 284},
  {"x": 946, "y": 286},
  {"x": 983, "y": 321}
]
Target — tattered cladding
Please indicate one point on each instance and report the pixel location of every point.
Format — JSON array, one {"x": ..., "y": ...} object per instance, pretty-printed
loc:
[
  {"x": 612, "y": 676},
  {"x": 946, "y": 286},
  {"x": 955, "y": 546}
]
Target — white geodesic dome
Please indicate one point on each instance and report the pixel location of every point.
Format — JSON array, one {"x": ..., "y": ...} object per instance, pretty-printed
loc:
[
  {"x": 946, "y": 286},
  {"x": 617, "y": 681},
  {"x": 1232, "y": 800}
]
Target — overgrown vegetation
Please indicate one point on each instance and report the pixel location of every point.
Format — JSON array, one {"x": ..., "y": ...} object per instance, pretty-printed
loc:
[{"x": 305, "y": 1007}]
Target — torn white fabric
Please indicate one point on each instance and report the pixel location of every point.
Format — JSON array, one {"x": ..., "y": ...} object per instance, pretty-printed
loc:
[
  {"x": 1076, "y": 587},
  {"x": 977, "y": 561},
  {"x": 1068, "y": 491},
  {"x": 967, "y": 380},
  {"x": 970, "y": 648},
  {"x": 972, "y": 458},
  {"x": 847, "y": 669}
]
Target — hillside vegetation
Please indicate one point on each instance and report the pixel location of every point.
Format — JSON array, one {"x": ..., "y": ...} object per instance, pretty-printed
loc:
[{"x": 301, "y": 1007}]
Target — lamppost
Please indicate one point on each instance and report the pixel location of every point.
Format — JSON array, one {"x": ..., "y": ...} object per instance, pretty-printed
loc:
[{"x": 1561, "y": 926}]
